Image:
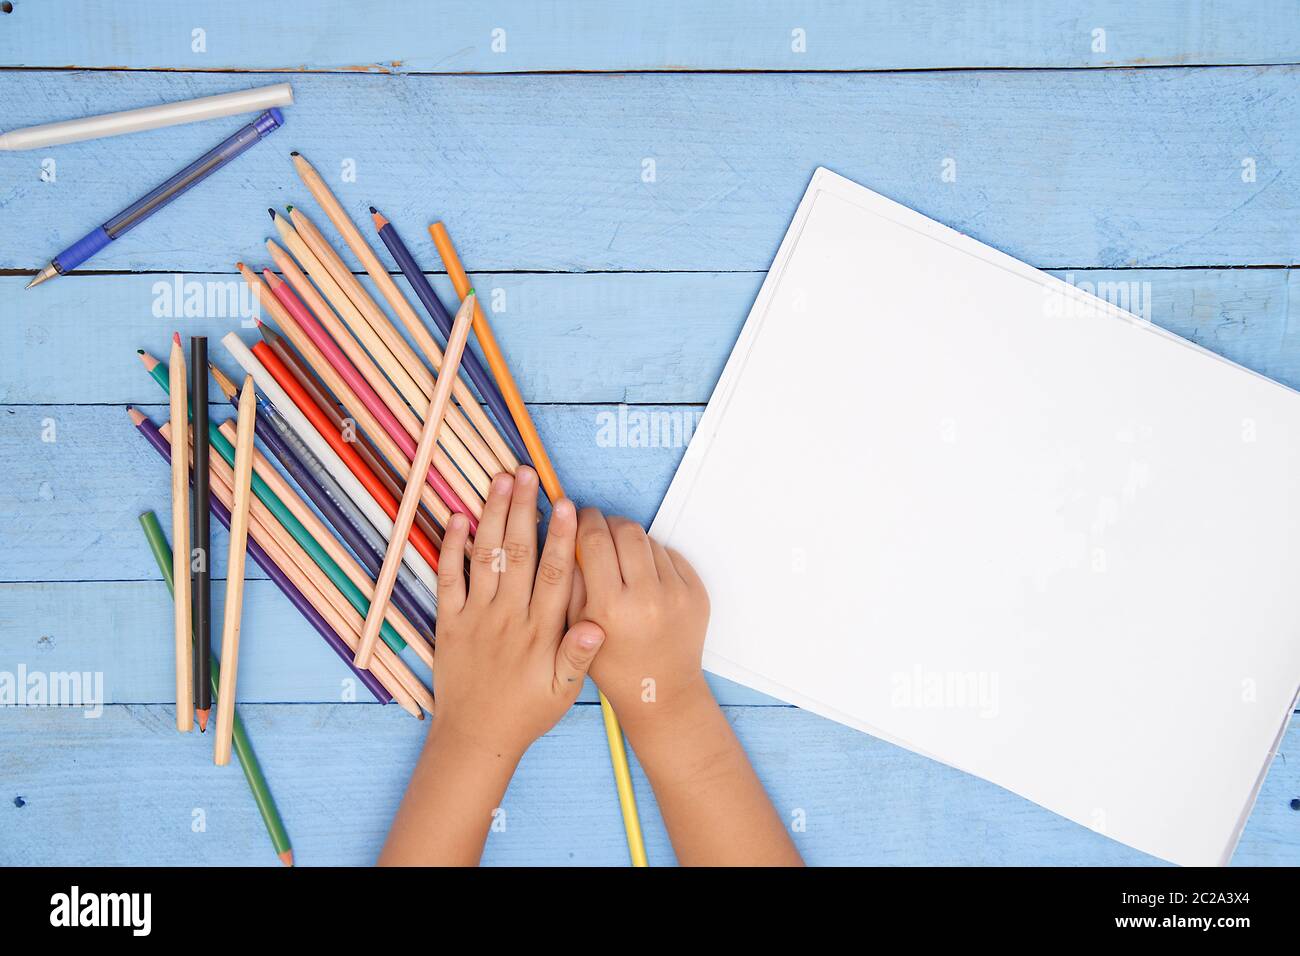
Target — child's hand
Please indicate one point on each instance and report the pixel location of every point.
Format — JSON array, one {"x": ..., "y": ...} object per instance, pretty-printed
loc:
[
  {"x": 504, "y": 670},
  {"x": 653, "y": 609}
]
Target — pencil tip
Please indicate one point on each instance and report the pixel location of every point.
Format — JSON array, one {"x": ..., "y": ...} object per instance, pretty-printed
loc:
[
  {"x": 294, "y": 153},
  {"x": 137, "y": 416},
  {"x": 288, "y": 208},
  {"x": 286, "y": 857},
  {"x": 148, "y": 360},
  {"x": 176, "y": 337},
  {"x": 240, "y": 266},
  {"x": 270, "y": 212},
  {"x": 373, "y": 210},
  {"x": 203, "y": 719}
]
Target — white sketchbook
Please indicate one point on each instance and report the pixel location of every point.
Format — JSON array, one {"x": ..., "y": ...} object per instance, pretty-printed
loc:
[{"x": 1068, "y": 560}]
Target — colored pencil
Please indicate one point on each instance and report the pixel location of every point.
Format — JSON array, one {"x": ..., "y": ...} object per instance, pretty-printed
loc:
[
  {"x": 361, "y": 366},
  {"x": 410, "y": 500},
  {"x": 331, "y": 557},
  {"x": 551, "y": 483},
  {"x": 279, "y": 548},
  {"x": 414, "y": 622},
  {"x": 340, "y": 510},
  {"x": 473, "y": 367},
  {"x": 321, "y": 192},
  {"x": 398, "y": 350},
  {"x": 226, "y": 450},
  {"x": 201, "y": 537},
  {"x": 263, "y": 492},
  {"x": 154, "y": 436},
  {"x": 183, "y": 620},
  {"x": 252, "y": 363},
  {"x": 316, "y": 545},
  {"x": 314, "y": 359},
  {"x": 391, "y": 670},
  {"x": 243, "y": 477},
  {"x": 500, "y": 370},
  {"x": 314, "y": 387},
  {"x": 395, "y": 418},
  {"x": 436, "y": 504},
  {"x": 411, "y": 597},
  {"x": 243, "y": 747}
]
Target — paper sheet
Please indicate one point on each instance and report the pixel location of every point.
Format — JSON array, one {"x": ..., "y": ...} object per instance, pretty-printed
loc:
[{"x": 1017, "y": 530}]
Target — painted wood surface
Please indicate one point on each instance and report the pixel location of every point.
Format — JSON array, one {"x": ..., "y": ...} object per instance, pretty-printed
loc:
[
  {"x": 617, "y": 281},
  {"x": 586, "y": 338},
  {"x": 1062, "y": 168},
  {"x": 858, "y": 800},
  {"x": 522, "y": 35}
]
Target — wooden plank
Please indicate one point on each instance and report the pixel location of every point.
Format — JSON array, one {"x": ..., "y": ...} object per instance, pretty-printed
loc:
[
  {"x": 125, "y": 789},
  {"x": 68, "y": 507},
  {"x": 1064, "y": 169},
  {"x": 117, "y": 632},
  {"x": 670, "y": 35},
  {"x": 595, "y": 337}
]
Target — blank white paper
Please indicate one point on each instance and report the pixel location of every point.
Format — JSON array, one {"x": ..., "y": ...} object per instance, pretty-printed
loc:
[{"x": 1068, "y": 545}]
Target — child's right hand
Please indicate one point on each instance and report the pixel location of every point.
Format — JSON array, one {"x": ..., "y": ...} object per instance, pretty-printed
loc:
[{"x": 654, "y": 611}]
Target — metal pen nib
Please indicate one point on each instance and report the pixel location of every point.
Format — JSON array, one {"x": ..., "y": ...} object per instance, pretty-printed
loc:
[{"x": 49, "y": 272}]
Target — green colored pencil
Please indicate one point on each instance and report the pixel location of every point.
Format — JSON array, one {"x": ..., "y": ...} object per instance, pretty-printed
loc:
[{"x": 162, "y": 553}]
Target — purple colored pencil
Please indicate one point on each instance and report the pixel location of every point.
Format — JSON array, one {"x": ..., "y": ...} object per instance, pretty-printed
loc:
[{"x": 163, "y": 447}]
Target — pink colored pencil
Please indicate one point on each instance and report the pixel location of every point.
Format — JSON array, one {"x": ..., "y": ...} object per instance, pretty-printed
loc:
[{"x": 340, "y": 363}]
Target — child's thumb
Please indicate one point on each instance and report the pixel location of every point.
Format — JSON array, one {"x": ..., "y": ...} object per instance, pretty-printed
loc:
[{"x": 576, "y": 652}]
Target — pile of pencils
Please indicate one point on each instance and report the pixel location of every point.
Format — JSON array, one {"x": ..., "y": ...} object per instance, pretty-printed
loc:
[{"x": 386, "y": 442}]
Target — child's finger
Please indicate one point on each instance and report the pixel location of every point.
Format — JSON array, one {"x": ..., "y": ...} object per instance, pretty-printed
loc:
[
  {"x": 451, "y": 566},
  {"x": 485, "y": 569},
  {"x": 574, "y": 656},
  {"x": 664, "y": 566},
  {"x": 597, "y": 554},
  {"x": 636, "y": 561},
  {"x": 554, "y": 583},
  {"x": 685, "y": 570},
  {"x": 577, "y": 598},
  {"x": 519, "y": 547}
]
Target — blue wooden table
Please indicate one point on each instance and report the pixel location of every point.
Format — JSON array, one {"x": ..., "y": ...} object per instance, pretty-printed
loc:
[{"x": 617, "y": 177}]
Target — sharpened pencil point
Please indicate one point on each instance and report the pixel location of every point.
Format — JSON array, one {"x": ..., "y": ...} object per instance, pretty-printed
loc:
[
  {"x": 137, "y": 416},
  {"x": 148, "y": 360},
  {"x": 288, "y": 209},
  {"x": 176, "y": 337},
  {"x": 286, "y": 857},
  {"x": 295, "y": 153},
  {"x": 203, "y": 719},
  {"x": 373, "y": 210},
  {"x": 270, "y": 212}
]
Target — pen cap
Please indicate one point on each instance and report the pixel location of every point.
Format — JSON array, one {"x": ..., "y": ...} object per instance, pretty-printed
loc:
[{"x": 270, "y": 120}]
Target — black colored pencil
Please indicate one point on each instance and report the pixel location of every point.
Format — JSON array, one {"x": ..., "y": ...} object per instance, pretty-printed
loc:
[{"x": 201, "y": 535}]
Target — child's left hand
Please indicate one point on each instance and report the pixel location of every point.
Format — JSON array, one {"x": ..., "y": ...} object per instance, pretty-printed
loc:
[{"x": 505, "y": 671}]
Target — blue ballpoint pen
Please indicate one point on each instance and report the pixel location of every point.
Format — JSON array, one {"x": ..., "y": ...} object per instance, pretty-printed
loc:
[{"x": 143, "y": 208}]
